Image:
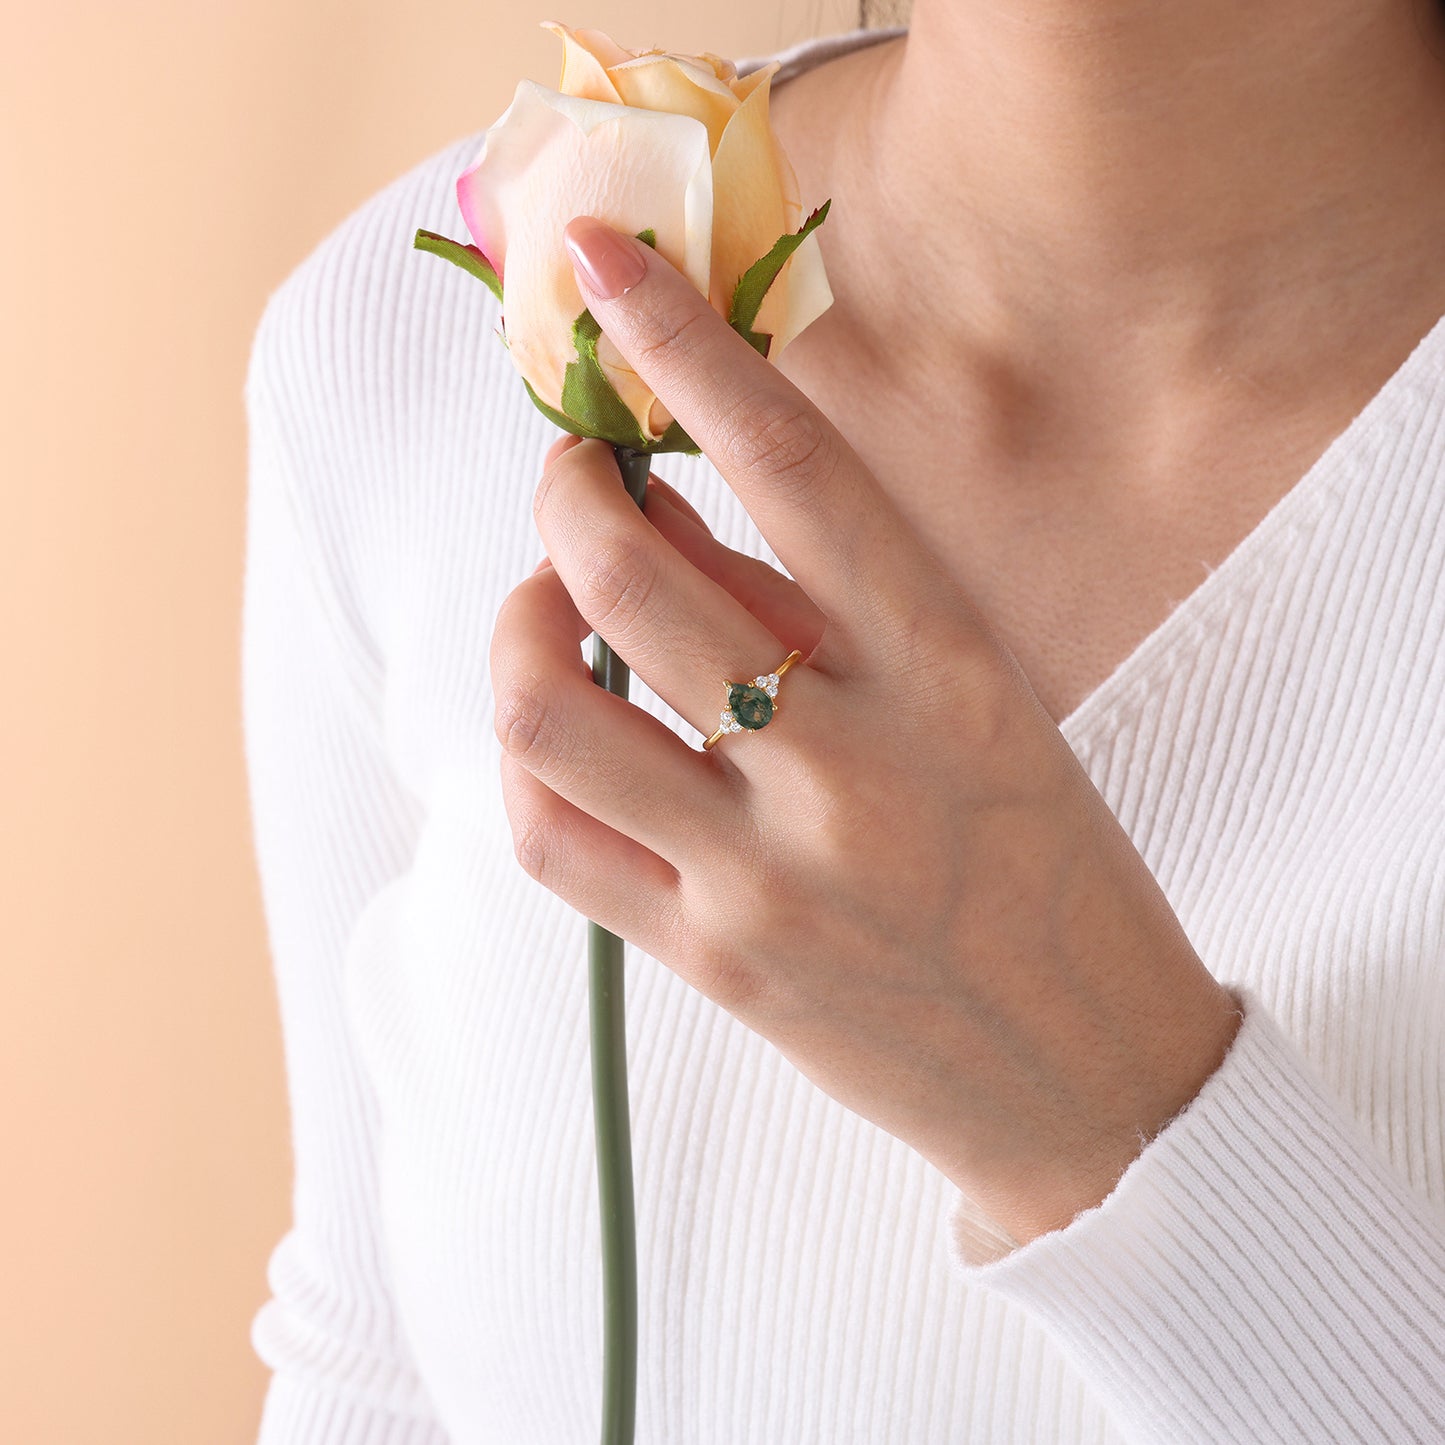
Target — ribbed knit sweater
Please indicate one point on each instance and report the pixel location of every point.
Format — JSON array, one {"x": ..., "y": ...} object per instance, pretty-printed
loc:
[{"x": 1271, "y": 1267}]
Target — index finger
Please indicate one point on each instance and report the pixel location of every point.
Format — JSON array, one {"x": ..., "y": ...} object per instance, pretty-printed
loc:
[{"x": 820, "y": 508}]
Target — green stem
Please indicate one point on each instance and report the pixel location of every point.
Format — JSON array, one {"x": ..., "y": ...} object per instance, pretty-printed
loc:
[{"x": 609, "y": 1098}]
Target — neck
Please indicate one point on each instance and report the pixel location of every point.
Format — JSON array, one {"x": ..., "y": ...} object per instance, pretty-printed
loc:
[{"x": 1146, "y": 170}]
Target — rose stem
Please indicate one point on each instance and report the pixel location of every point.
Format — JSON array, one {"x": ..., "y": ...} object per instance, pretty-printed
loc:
[{"x": 609, "y": 1097}]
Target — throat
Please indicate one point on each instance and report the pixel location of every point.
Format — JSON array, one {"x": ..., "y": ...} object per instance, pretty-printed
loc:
[{"x": 1075, "y": 546}]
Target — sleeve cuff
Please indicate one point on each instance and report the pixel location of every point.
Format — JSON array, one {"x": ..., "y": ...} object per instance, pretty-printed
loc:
[{"x": 1259, "y": 1272}]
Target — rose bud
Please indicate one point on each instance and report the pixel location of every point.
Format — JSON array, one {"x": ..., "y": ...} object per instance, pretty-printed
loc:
[{"x": 675, "y": 149}]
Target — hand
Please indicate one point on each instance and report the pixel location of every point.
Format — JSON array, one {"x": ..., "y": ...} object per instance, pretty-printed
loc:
[{"x": 905, "y": 881}]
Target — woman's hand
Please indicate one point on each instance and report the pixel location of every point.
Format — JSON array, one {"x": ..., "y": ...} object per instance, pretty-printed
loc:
[{"x": 905, "y": 881}]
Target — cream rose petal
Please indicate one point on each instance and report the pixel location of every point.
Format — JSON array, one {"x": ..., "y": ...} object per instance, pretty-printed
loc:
[
  {"x": 748, "y": 210},
  {"x": 806, "y": 298},
  {"x": 743, "y": 85},
  {"x": 722, "y": 67},
  {"x": 551, "y": 157},
  {"x": 792, "y": 195},
  {"x": 602, "y": 47},
  {"x": 801, "y": 294},
  {"x": 663, "y": 82},
  {"x": 586, "y": 54}
]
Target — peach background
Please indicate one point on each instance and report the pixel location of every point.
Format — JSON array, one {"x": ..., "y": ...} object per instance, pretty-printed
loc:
[{"x": 163, "y": 165}]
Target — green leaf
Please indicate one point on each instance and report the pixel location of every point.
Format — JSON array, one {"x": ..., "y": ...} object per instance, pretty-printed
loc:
[
  {"x": 755, "y": 281},
  {"x": 649, "y": 236},
  {"x": 469, "y": 258},
  {"x": 593, "y": 408},
  {"x": 590, "y": 399},
  {"x": 552, "y": 414}
]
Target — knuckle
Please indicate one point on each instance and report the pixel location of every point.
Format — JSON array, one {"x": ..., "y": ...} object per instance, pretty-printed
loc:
[
  {"x": 671, "y": 345},
  {"x": 616, "y": 584},
  {"x": 525, "y": 717},
  {"x": 787, "y": 443},
  {"x": 533, "y": 842}
]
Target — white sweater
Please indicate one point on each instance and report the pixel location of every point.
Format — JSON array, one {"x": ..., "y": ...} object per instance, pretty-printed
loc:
[{"x": 1270, "y": 1268}]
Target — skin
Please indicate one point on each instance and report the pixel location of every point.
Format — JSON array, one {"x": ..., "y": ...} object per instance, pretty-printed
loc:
[
  {"x": 944, "y": 926},
  {"x": 1119, "y": 239},
  {"x": 923, "y": 902}
]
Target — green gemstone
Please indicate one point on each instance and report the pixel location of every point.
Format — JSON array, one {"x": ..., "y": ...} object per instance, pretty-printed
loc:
[{"x": 751, "y": 706}]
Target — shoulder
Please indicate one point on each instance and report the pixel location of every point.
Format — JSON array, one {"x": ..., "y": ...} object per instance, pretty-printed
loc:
[
  {"x": 375, "y": 373},
  {"x": 346, "y": 294}
]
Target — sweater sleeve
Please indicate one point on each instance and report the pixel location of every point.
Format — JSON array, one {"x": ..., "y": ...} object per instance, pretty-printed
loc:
[
  {"x": 1259, "y": 1273},
  {"x": 332, "y": 826}
]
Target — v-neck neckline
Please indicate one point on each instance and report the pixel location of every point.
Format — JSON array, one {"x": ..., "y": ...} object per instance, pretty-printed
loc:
[{"x": 1300, "y": 507}]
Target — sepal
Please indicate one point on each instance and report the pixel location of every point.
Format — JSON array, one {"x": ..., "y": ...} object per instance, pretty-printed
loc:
[
  {"x": 590, "y": 399},
  {"x": 468, "y": 257},
  {"x": 755, "y": 281},
  {"x": 593, "y": 408}
]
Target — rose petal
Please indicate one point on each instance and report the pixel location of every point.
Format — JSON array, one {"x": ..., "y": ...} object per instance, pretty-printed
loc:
[
  {"x": 640, "y": 399},
  {"x": 586, "y": 54},
  {"x": 806, "y": 298},
  {"x": 801, "y": 293},
  {"x": 551, "y": 157},
  {"x": 748, "y": 210},
  {"x": 662, "y": 82},
  {"x": 792, "y": 194},
  {"x": 743, "y": 85},
  {"x": 723, "y": 68}
]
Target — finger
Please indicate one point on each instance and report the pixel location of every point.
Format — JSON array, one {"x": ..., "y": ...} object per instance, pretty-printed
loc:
[
  {"x": 605, "y": 875},
  {"x": 821, "y": 509},
  {"x": 775, "y": 600},
  {"x": 567, "y": 439},
  {"x": 605, "y": 755},
  {"x": 673, "y": 625},
  {"x": 677, "y": 500}
]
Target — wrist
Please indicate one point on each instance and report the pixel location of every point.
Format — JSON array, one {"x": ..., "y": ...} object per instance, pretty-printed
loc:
[{"x": 1046, "y": 1187}]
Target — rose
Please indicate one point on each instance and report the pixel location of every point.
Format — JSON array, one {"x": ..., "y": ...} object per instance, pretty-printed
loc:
[
  {"x": 672, "y": 145},
  {"x": 676, "y": 149}
]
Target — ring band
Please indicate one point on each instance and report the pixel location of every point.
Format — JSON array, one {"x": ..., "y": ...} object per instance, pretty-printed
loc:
[{"x": 751, "y": 705}]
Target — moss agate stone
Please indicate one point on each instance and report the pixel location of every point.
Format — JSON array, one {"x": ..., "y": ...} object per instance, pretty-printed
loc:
[{"x": 750, "y": 705}]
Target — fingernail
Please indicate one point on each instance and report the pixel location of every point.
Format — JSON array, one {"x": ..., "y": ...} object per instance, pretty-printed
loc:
[{"x": 606, "y": 261}]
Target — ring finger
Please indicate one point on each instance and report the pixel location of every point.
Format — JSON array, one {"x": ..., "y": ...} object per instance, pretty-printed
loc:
[
  {"x": 680, "y": 631},
  {"x": 605, "y": 755}
]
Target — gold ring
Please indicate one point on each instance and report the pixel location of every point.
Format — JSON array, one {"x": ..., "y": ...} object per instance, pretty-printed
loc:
[{"x": 751, "y": 705}]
